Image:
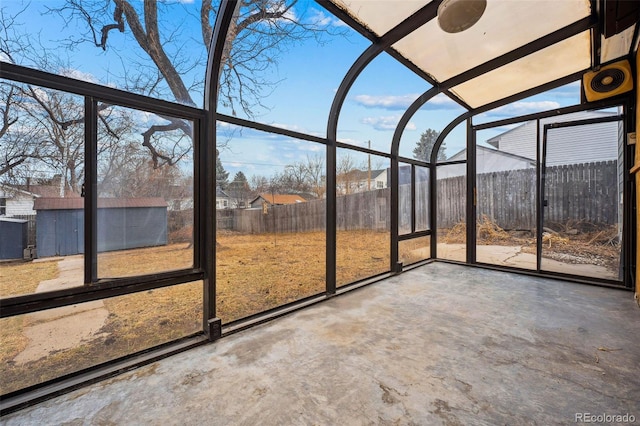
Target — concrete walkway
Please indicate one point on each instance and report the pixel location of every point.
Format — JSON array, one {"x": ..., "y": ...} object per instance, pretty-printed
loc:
[
  {"x": 62, "y": 328},
  {"x": 439, "y": 345},
  {"x": 514, "y": 256}
]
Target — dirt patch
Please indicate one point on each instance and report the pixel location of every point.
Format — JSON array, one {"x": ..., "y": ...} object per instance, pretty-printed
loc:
[{"x": 570, "y": 243}]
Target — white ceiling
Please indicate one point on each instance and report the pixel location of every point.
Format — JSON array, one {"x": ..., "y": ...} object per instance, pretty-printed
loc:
[{"x": 505, "y": 26}]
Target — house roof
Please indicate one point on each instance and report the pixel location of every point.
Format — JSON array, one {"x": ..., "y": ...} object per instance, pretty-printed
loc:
[
  {"x": 364, "y": 174},
  {"x": 462, "y": 154},
  {"x": 280, "y": 198},
  {"x": 11, "y": 189},
  {"x": 48, "y": 203},
  {"x": 220, "y": 193}
]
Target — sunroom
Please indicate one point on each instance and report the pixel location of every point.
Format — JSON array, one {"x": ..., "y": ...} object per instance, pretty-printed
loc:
[{"x": 287, "y": 152}]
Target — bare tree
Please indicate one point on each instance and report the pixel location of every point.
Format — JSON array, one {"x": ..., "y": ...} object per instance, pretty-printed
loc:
[
  {"x": 260, "y": 31},
  {"x": 18, "y": 144},
  {"x": 316, "y": 175},
  {"x": 345, "y": 174}
]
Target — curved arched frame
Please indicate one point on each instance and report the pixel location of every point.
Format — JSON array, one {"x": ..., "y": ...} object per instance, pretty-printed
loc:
[{"x": 427, "y": 13}]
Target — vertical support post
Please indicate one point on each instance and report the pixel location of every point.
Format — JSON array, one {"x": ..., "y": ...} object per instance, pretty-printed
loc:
[
  {"x": 539, "y": 199},
  {"x": 394, "y": 180},
  {"x": 90, "y": 190},
  {"x": 433, "y": 209},
  {"x": 472, "y": 193},
  {"x": 207, "y": 181},
  {"x": 413, "y": 198},
  {"x": 199, "y": 189},
  {"x": 331, "y": 217}
]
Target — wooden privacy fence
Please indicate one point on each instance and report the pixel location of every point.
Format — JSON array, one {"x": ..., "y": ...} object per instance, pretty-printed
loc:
[
  {"x": 363, "y": 210},
  {"x": 574, "y": 192},
  {"x": 586, "y": 192}
]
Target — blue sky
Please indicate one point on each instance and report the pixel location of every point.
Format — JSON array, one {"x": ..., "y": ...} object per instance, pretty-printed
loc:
[{"x": 308, "y": 75}]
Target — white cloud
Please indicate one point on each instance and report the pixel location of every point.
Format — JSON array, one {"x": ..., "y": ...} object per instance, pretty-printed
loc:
[
  {"x": 292, "y": 127},
  {"x": 441, "y": 101},
  {"x": 320, "y": 19},
  {"x": 289, "y": 15},
  {"x": 79, "y": 75},
  {"x": 389, "y": 102},
  {"x": 388, "y": 122},
  {"x": 402, "y": 102},
  {"x": 523, "y": 108}
]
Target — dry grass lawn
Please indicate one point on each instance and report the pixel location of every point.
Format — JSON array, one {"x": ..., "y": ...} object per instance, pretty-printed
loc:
[
  {"x": 253, "y": 272},
  {"x": 18, "y": 278}
]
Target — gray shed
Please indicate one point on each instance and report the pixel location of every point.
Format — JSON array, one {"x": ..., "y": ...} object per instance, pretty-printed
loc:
[
  {"x": 13, "y": 238},
  {"x": 123, "y": 223}
]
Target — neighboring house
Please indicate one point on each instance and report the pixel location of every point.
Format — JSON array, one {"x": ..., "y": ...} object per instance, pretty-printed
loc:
[
  {"x": 179, "y": 197},
  {"x": 239, "y": 198},
  {"x": 488, "y": 160},
  {"x": 276, "y": 200},
  {"x": 16, "y": 202},
  {"x": 223, "y": 200},
  {"x": 571, "y": 145},
  {"x": 361, "y": 180}
]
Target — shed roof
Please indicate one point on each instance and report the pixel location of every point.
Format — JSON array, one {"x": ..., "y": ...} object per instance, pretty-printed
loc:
[
  {"x": 281, "y": 198},
  {"x": 103, "y": 203}
]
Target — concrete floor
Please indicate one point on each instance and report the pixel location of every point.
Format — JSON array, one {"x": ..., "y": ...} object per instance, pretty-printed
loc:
[{"x": 441, "y": 344}]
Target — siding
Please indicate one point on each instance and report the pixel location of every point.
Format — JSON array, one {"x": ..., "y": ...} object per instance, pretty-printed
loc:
[
  {"x": 576, "y": 144},
  {"x": 22, "y": 206},
  {"x": 61, "y": 232},
  {"x": 14, "y": 238}
]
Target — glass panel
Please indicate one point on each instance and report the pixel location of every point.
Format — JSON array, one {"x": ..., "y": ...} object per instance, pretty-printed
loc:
[
  {"x": 85, "y": 41},
  {"x": 561, "y": 59},
  {"x": 375, "y": 104},
  {"x": 363, "y": 227},
  {"x": 422, "y": 198},
  {"x": 583, "y": 191},
  {"x": 41, "y": 175},
  {"x": 404, "y": 199},
  {"x": 506, "y": 200},
  {"x": 507, "y": 24},
  {"x": 280, "y": 74},
  {"x": 414, "y": 250},
  {"x": 145, "y": 193},
  {"x": 271, "y": 214},
  {"x": 454, "y": 147},
  {"x": 48, "y": 344},
  {"x": 566, "y": 95},
  {"x": 418, "y": 139},
  {"x": 452, "y": 205}
]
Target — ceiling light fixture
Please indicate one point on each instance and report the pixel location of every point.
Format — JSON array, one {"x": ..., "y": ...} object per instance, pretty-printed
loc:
[{"x": 455, "y": 16}]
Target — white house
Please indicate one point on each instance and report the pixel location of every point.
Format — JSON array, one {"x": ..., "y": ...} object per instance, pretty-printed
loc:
[
  {"x": 16, "y": 202},
  {"x": 361, "y": 180},
  {"x": 569, "y": 145}
]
